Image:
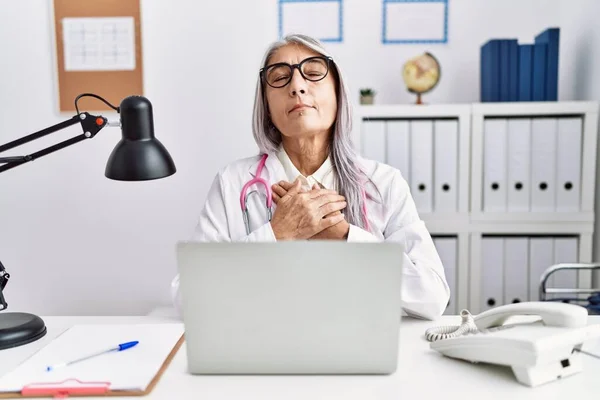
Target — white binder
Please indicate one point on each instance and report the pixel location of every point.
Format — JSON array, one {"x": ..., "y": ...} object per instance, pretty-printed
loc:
[
  {"x": 516, "y": 271},
  {"x": 543, "y": 164},
  {"x": 398, "y": 146},
  {"x": 445, "y": 188},
  {"x": 565, "y": 251},
  {"x": 568, "y": 164},
  {"x": 447, "y": 250},
  {"x": 519, "y": 164},
  {"x": 541, "y": 257},
  {"x": 373, "y": 140},
  {"x": 492, "y": 266},
  {"x": 421, "y": 164},
  {"x": 494, "y": 164}
]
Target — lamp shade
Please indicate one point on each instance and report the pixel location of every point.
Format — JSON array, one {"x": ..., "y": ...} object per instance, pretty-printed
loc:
[{"x": 138, "y": 156}]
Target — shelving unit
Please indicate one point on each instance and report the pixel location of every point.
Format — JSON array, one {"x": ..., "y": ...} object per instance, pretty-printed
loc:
[{"x": 480, "y": 212}]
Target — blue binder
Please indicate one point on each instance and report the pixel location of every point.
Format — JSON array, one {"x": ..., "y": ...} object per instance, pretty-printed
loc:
[
  {"x": 504, "y": 70},
  {"x": 538, "y": 88},
  {"x": 490, "y": 71},
  {"x": 483, "y": 75},
  {"x": 486, "y": 80},
  {"x": 513, "y": 70},
  {"x": 551, "y": 37},
  {"x": 525, "y": 72}
]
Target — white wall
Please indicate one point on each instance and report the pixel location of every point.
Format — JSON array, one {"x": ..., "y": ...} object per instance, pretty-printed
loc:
[{"x": 77, "y": 243}]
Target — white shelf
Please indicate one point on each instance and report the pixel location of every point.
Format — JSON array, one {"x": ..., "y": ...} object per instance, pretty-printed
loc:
[
  {"x": 411, "y": 111},
  {"x": 534, "y": 108},
  {"x": 448, "y": 224},
  {"x": 470, "y": 223},
  {"x": 531, "y": 228},
  {"x": 533, "y": 217}
]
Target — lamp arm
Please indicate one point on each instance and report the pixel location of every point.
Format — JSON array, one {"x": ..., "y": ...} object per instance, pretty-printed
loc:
[{"x": 91, "y": 125}]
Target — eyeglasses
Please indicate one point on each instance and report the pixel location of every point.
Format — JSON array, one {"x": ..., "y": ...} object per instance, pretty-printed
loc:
[{"x": 312, "y": 69}]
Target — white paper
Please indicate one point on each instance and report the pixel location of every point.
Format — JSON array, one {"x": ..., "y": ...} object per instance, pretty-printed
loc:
[
  {"x": 99, "y": 44},
  {"x": 130, "y": 369},
  {"x": 318, "y": 19},
  {"x": 415, "y": 21}
]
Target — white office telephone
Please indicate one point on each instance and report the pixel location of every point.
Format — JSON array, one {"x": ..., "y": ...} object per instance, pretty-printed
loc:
[{"x": 538, "y": 351}]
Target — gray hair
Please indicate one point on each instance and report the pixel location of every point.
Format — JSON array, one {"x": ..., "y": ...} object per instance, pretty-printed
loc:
[{"x": 351, "y": 180}]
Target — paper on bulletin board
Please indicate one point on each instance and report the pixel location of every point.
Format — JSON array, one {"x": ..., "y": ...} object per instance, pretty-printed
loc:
[
  {"x": 319, "y": 19},
  {"x": 415, "y": 21},
  {"x": 99, "y": 44}
]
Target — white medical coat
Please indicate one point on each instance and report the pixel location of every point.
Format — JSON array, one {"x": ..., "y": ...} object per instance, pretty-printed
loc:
[{"x": 425, "y": 292}]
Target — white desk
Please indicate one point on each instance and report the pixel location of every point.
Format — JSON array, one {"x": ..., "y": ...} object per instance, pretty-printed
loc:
[{"x": 421, "y": 372}]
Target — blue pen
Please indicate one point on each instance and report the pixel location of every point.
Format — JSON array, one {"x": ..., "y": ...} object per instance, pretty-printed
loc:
[{"x": 120, "y": 347}]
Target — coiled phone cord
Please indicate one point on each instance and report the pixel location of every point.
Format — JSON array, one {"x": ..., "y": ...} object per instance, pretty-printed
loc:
[{"x": 446, "y": 332}]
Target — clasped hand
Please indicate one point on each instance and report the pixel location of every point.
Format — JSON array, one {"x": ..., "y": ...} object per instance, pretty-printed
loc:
[{"x": 308, "y": 214}]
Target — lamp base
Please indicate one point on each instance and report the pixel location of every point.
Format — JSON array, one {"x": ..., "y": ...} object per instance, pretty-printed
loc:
[{"x": 17, "y": 329}]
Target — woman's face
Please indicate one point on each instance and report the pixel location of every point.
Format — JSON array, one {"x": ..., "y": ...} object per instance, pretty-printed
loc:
[{"x": 302, "y": 108}]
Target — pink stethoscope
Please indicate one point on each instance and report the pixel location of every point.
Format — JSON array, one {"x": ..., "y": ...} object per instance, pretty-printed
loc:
[
  {"x": 244, "y": 197},
  {"x": 269, "y": 196}
]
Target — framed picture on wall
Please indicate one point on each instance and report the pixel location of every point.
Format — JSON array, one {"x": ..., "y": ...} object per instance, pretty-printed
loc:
[
  {"x": 321, "y": 19},
  {"x": 414, "y": 21}
]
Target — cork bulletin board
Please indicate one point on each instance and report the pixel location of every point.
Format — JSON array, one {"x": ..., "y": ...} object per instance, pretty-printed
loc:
[{"x": 98, "y": 50}]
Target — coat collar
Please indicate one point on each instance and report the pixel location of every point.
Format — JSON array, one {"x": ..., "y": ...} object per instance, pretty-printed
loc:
[
  {"x": 272, "y": 166},
  {"x": 276, "y": 171},
  {"x": 323, "y": 175}
]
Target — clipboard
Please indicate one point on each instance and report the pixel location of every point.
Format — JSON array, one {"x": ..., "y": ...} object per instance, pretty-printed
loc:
[{"x": 74, "y": 387}]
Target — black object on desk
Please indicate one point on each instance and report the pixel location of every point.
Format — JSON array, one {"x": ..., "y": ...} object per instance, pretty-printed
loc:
[
  {"x": 17, "y": 329},
  {"x": 138, "y": 156}
]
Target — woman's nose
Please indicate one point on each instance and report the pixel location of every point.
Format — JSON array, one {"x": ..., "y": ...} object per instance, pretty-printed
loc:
[{"x": 297, "y": 84}]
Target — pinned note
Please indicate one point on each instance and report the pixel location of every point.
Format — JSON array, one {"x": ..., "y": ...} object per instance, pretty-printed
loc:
[{"x": 99, "y": 44}]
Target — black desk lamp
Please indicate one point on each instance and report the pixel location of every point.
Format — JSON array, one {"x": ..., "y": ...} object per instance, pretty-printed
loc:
[{"x": 138, "y": 156}]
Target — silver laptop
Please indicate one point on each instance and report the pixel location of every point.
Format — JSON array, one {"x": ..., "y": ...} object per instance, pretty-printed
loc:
[{"x": 297, "y": 307}]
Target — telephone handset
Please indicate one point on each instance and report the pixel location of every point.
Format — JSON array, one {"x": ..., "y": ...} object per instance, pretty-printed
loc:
[
  {"x": 538, "y": 351},
  {"x": 551, "y": 313}
]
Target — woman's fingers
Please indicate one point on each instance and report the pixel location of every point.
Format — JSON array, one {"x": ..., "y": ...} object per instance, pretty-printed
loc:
[
  {"x": 328, "y": 198},
  {"x": 322, "y": 192},
  {"x": 285, "y": 185},
  {"x": 311, "y": 210},
  {"x": 331, "y": 208},
  {"x": 319, "y": 197},
  {"x": 278, "y": 190},
  {"x": 288, "y": 185},
  {"x": 331, "y": 220},
  {"x": 294, "y": 190},
  {"x": 315, "y": 191}
]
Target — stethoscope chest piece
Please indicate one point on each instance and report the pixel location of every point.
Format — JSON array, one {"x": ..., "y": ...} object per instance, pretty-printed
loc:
[{"x": 245, "y": 210}]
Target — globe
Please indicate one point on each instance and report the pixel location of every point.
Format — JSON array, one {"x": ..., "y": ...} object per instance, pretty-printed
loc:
[{"x": 421, "y": 74}]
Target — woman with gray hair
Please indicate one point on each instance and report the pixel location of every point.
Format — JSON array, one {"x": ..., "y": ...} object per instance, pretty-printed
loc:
[{"x": 308, "y": 181}]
